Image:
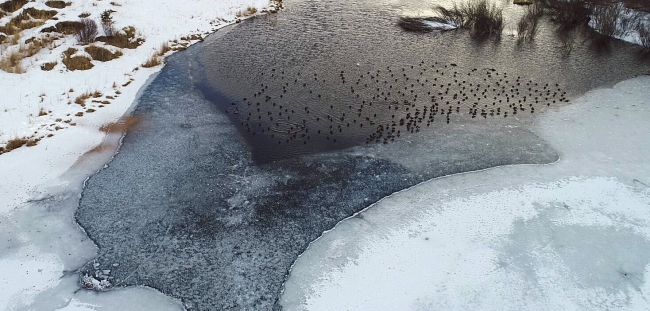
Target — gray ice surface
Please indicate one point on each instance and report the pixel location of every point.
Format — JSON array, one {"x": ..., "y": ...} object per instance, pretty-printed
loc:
[{"x": 183, "y": 209}]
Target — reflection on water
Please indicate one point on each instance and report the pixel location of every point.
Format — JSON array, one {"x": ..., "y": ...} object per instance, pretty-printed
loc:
[{"x": 309, "y": 58}]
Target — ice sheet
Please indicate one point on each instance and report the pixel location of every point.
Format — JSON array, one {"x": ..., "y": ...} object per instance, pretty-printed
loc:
[{"x": 573, "y": 235}]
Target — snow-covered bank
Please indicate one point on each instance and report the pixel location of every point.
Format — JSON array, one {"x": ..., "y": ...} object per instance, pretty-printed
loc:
[
  {"x": 41, "y": 245},
  {"x": 573, "y": 235}
]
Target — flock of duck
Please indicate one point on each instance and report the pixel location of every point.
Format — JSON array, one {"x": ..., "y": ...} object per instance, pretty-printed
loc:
[{"x": 381, "y": 105}]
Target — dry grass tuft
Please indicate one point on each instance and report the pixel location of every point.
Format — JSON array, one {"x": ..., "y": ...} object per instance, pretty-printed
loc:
[
  {"x": 48, "y": 66},
  {"x": 17, "y": 143},
  {"x": 76, "y": 62},
  {"x": 84, "y": 15},
  {"x": 12, "y": 63},
  {"x": 57, "y": 4},
  {"x": 102, "y": 54},
  {"x": 155, "y": 59},
  {"x": 81, "y": 99},
  {"x": 125, "y": 39}
]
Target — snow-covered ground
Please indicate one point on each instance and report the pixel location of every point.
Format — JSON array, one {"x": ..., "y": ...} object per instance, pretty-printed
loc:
[
  {"x": 41, "y": 244},
  {"x": 573, "y": 235}
]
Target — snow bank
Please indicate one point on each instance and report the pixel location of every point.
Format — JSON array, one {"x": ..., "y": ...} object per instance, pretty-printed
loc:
[
  {"x": 41, "y": 244},
  {"x": 573, "y": 235}
]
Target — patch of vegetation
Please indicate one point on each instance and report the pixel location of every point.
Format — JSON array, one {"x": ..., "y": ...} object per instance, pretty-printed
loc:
[
  {"x": 84, "y": 15},
  {"x": 88, "y": 31},
  {"x": 15, "y": 144},
  {"x": 12, "y": 63},
  {"x": 248, "y": 12},
  {"x": 119, "y": 126},
  {"x": 56, "y": 4},
  {"x": 107, "y": 23},
  {"x": 155, "y": 59},
  {"x": 102, "y": 54},
  {"x": 39, "y": 14},
  {"x": 614, "y": 20},
  {"x": 27, "y": 19},
  {"x": 65, "y": 27},
  {"x": 413, "y": 24},
  {"x": 11, "y": 6},
  {"x": 48, "y": 66},
  {"x": 482, "y": 18},
  {"x": 81, "y": 99},
  {"x": 125, "y": 39},
  {"x": 529, "y": 23},
  {"x": 76, "y": 62},
  {"x": 643, "y": 30},
  {"x": 567, "y": 13}
]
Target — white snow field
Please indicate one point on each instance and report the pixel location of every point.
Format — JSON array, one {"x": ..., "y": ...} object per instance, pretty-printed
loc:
[
  {"x": 573, "y": 235},
  {"x": 40, "y": 244}
]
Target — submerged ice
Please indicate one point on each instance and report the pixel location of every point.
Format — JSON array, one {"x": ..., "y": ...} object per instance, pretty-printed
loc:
[{"x": 573, "y": 235}]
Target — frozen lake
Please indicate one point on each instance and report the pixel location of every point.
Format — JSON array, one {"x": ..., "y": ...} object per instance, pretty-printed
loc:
[{"x": 198, "y": 207}]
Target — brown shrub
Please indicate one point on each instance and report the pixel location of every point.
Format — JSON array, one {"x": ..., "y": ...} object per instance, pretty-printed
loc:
[
  {"x": 125, "y": 39},
  {"x": 56, "y": 4},
  {"x": 88, "y": 31},
  {"x": 101, "y": 54},
  {"x": 11, "y": 6}
]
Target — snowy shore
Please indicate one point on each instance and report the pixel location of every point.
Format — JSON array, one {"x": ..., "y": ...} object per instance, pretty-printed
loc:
[{"x": 41, "y": 184}]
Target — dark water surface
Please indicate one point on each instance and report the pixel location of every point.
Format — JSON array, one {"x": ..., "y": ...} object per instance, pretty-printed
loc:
[
  {"x": 342, "y": 68},
  {"x": 195, "y": 206}
]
